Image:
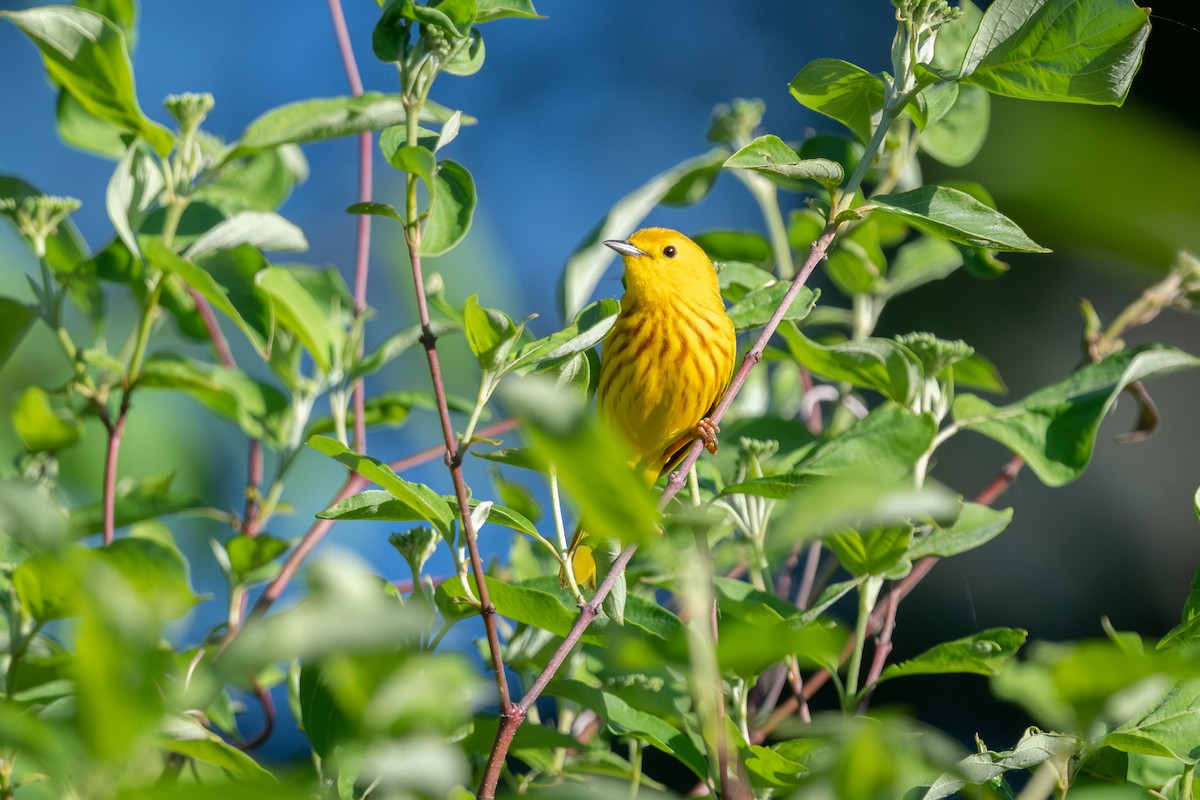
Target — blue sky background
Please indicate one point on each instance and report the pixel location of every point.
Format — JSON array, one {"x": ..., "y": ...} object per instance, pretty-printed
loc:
[{"x": 580, "y": 108}]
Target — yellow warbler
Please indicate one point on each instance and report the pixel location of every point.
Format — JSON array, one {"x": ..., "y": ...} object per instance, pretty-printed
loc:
[{"x": 668, "y": 359}]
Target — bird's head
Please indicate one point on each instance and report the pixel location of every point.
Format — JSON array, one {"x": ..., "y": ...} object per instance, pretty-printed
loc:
[{"x": 659, "y": 260}]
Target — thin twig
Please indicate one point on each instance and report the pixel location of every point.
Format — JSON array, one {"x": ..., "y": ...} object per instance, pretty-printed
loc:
[
  {"x": 454, "y": 459},
  {"x": 268, "y": 707},
  {"x": 251, "y": 522},
  {"x": 363, "y": 247}
]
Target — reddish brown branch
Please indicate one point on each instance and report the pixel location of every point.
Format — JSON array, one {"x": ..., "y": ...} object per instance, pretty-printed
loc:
[
  {"x": 268, "y": 707},
  {"x": 363, "y": 239}
]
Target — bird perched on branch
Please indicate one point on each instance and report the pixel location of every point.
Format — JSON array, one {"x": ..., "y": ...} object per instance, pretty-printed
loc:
[{"x": 668, "y": 359}]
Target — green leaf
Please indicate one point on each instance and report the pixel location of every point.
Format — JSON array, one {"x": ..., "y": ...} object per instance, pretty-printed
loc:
[
  {"x": 237, "y": 267},
  {"x": 259, "y": 181},
  {"x": 451, "y": 210},
  {"x": 85, "y": 54},
  {"x": 540, "y": 606},
  {"x": 318, "y": 119},
  {"x": 47, "y": 584},
  {"x": 469, "y": 59},
  {"x": 415, "y": 160},
  {"x": 976, "y": 525},
  {"x": 297, "y": 310},
  {"x": 256, "y": 407},
  {"x": 379, "y": 506},
  {"x": 16, "y": 318},
  {"x": 214, "y": 750},
  {"x": 79, "y": 128},
  {"x": 590, "y": 326},
  {"x": 490, "y": 333},
  {"x": 758, "y": 305},
  {"x": 155, "y": 569},
  {"x": 264, "y": 230},
  {"x": 841, "y": 91},
  {"x": 432, "y": 507},
  {"x": 771, "y": 157},
  {"x": 1072, "y": 51},
  {"x": 133, "y": 192},
  {"x": 590, "y": 461},
  {"x": 375, "y": 210},
  {"x": 1055, "y": 429},
  {"x": 523, "y": 457},
  {"x": 884, "y": 365},
  {"x": 957, "y": 216},
  {"x": 40, "y": 426},
  {"x": 488, "y": 10},
  {"x": 252, "y": 558},
  {"x": 625, "y": 720},
  {"x": 591, "y": 259},
  {"x": 875, "y": 551},
  {"x": 136, "y": 501},
  {"x": 958, "y": 136},
  {"x": 982, "y": 653},
  {"x": 1034, "y": 748},
  {"x": 1170, "y": 729}
]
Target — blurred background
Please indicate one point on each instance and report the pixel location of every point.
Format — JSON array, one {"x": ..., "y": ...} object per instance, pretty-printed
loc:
[{"x": 582, "y": 107}]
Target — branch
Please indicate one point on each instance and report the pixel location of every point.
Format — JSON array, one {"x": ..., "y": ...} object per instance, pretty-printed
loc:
[
  {"x": 454, "y": 458},
  {"x": 251, "y": 521},
  {"x": 363, "y": 247}
]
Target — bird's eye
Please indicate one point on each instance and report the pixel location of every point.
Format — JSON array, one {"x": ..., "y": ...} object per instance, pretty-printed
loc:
[{"x": 669, "y": 251}]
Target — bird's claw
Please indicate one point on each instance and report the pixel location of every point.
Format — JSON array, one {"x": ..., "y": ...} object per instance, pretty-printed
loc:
[{"x": 706, "y": 431}]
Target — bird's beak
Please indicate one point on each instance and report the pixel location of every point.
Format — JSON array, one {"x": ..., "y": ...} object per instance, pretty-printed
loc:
[{"x": 625, "y": 248}]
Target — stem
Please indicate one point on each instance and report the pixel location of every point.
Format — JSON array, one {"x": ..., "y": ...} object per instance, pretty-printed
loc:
[
  {"x": 867, "y": 594},
  {"x": 363, "y": 240},
  {"x": 454, "y": 456},
  {"x": 709, "y": 696}
]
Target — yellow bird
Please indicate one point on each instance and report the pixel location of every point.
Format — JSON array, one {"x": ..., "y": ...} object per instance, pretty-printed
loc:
[{"x": 668, "y": 359}]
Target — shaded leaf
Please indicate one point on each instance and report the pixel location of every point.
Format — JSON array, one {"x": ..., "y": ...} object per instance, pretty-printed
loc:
[
  {"x": 625, "y": 720},
  {"x": 1055, "y": 428},
  {"x": 15, "y": 320},
  {"x": 982, "y": 653}
]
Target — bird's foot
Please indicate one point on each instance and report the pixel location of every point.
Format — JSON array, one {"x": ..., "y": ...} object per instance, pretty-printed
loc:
[{"x": 706, "y": 431}]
